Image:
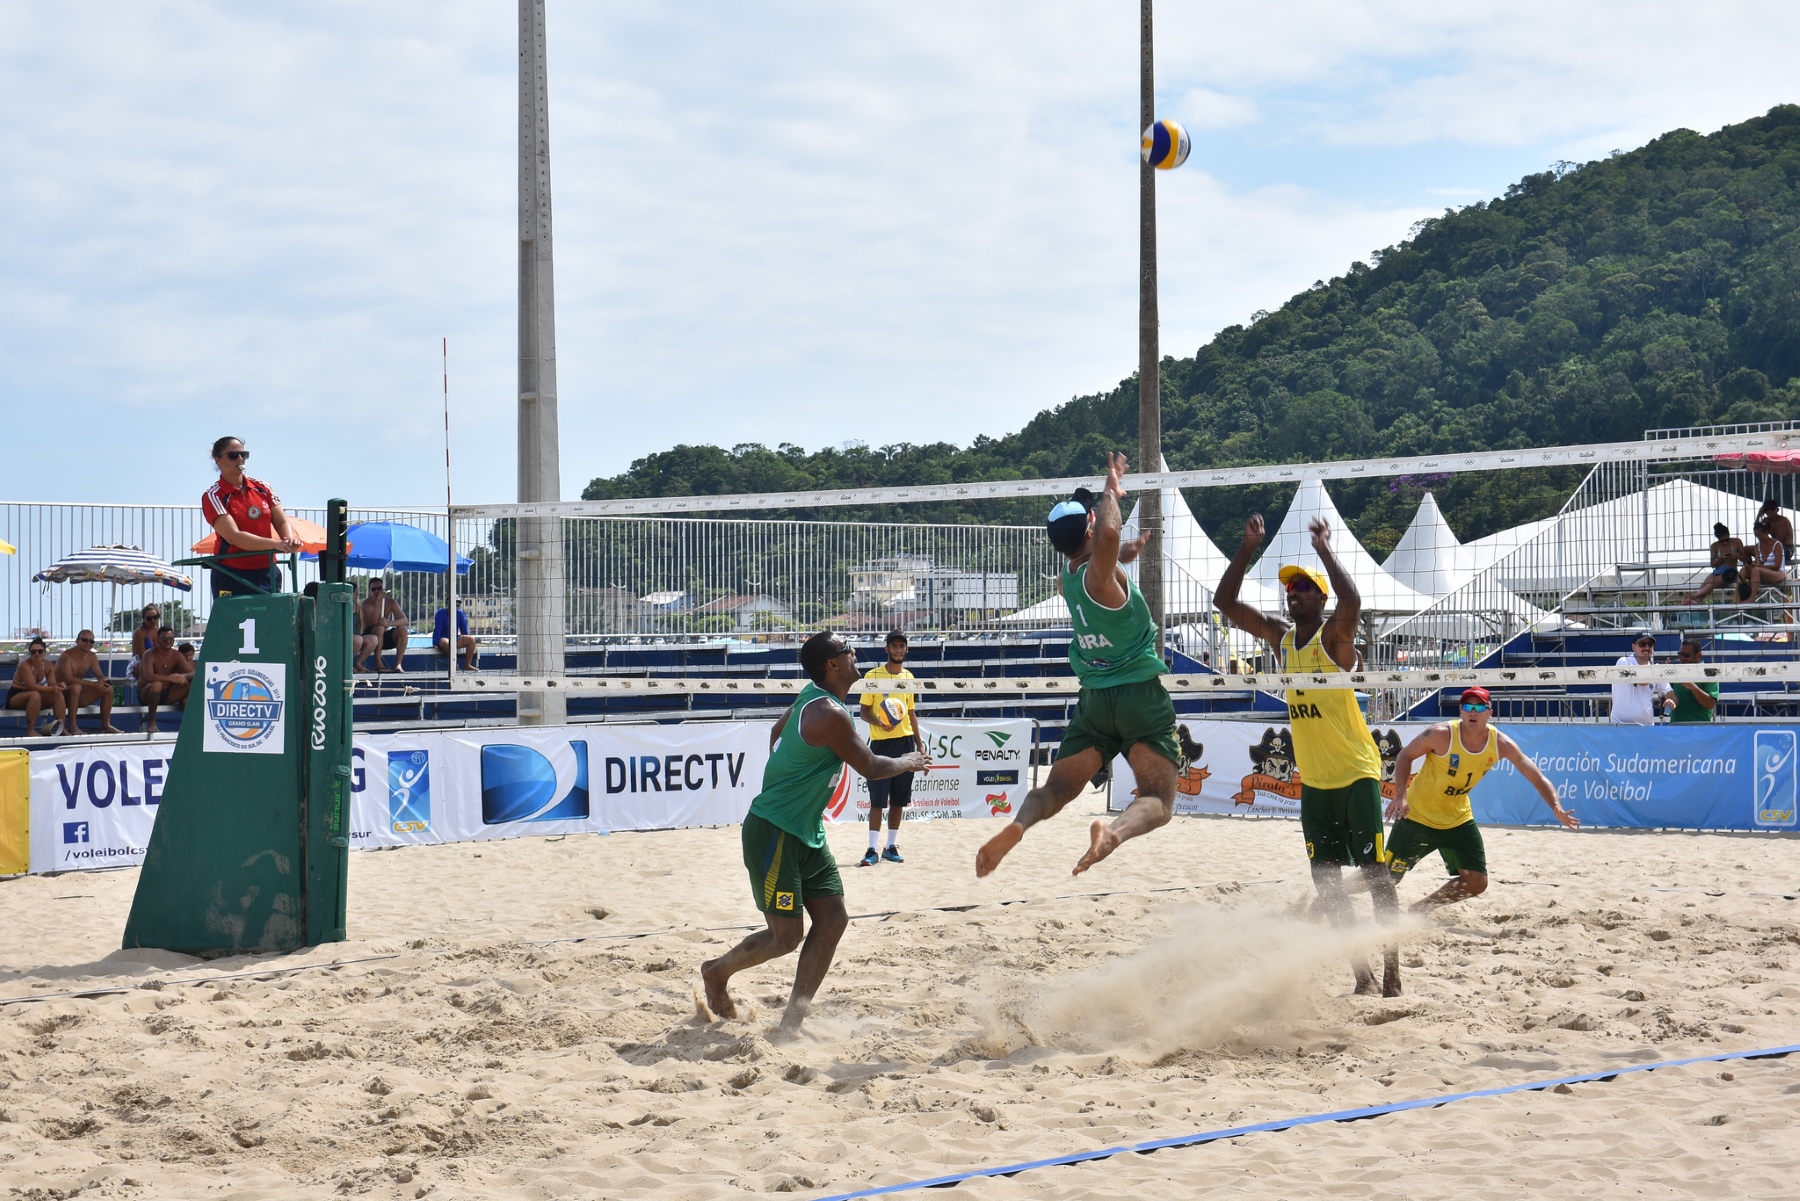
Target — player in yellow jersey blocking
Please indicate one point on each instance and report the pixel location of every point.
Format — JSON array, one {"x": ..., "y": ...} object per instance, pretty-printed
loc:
[
  {"x": 1431, "y": 810},
  {"x": 1339, "y": 765}
]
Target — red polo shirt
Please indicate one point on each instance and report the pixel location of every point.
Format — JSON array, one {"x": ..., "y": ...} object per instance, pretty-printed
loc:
[{"x": 252, "y": 508}]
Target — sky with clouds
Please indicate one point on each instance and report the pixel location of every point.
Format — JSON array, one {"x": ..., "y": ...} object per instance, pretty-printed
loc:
[{"x": 784, "y": 221}]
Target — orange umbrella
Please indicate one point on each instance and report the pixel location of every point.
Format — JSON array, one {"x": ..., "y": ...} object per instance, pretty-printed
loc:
[{"x": 312, "y": 538}]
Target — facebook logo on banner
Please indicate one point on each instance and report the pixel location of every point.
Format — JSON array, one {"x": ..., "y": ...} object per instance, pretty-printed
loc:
[
  {"x": 74, "y": 832},
  {"x": 1775, "y": 777},
  {"x": 522, "y": 784},
  {"x": 409, "y": 791}
]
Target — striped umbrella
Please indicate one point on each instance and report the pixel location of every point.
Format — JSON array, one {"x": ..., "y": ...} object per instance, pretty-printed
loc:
[{"x": 113, "y": 565}]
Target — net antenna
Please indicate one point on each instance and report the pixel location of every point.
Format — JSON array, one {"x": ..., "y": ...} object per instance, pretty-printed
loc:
[{"x": 449, "y": 509}]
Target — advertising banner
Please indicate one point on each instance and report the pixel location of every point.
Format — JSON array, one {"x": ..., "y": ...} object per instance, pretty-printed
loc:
[
  {"x": 93, "y": 806},
  {"x": 468, "y": 785},
  {"x": 978, "y": 769},
  {"x": 1705, "y": 777}
]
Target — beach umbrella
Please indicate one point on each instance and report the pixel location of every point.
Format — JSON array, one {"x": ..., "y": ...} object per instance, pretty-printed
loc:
[
  {"x": 113, "y": 565},
  {"x": 312, "y": 538},
  {"x": 396, "y": 546}
]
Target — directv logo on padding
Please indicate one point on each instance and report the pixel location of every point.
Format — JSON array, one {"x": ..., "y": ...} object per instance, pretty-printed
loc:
[
  {"x": 409, "y": 791},
  {"x": 521, "y": 784}
]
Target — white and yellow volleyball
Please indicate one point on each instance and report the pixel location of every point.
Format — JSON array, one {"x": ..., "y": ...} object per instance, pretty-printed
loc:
[
  {"x": 887, "y": 713},
  {"x": 1166, "y": 145}
]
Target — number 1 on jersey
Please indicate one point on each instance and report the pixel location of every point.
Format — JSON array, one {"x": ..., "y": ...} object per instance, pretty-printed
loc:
[{"x": 248, "y": 625}]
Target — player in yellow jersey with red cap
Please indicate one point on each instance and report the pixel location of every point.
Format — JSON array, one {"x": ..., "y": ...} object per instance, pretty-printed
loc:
[{"x": 1431, "y": 810}]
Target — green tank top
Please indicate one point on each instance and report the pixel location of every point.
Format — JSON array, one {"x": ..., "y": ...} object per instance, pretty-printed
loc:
[
  {"x": 797, "y": 782},
  {"x": 1110, "y": 646}
]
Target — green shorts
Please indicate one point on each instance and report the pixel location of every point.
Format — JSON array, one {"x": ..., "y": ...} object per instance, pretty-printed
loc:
[
  {"x": 1343, "y": 825},
  {"x": 1460, "y": 846},
  {"x": 785, "y": 872},
  {"x": 1110, "y": 720}
]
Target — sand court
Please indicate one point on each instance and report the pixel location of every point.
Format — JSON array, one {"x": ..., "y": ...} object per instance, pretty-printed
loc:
[{"x": 521, "y": 1023}]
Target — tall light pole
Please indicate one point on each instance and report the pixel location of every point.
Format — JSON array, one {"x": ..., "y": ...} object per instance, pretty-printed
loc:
[
  {"x": 540, "y": 595},
  {"x": 1150, "y": 563}
]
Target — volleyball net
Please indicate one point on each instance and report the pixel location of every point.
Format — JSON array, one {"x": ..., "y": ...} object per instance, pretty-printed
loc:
[{"x": 1504, "y": 569}]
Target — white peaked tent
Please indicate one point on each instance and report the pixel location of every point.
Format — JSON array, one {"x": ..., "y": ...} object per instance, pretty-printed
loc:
[
  {"x": 1292, "y": 543},
  {"x": 1192, "y": 568},
  {"x": 1194, "y": 564},
  {"x": 1428, "y": 558}
]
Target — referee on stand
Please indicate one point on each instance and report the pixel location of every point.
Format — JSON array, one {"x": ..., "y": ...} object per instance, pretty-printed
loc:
[
  {"x": 246, "y": 515},
  {"x": 894, "y": 732}
]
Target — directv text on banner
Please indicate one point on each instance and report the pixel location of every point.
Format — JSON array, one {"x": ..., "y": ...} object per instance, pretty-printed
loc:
[{"x": 245, "y": 708}]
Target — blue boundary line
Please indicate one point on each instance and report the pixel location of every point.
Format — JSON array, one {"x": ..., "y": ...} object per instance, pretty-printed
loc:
[{"x": 1341, "y": 1115}]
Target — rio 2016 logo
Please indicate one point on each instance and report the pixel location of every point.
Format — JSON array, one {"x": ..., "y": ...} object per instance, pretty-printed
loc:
[{"x": 245, "y": 707}]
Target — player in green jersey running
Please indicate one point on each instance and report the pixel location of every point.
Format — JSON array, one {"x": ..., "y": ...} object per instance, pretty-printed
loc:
[
  {"x": 1123, "y": 706},
  {"x": 790, "y": 864}
]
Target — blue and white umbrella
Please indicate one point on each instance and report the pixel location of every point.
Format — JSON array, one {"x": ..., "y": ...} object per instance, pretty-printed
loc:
[
  {"x": 396, "y": 546},
  {"x": 113, "y": 565}
]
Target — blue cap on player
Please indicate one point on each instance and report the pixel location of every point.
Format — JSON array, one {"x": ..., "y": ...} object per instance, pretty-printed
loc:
[{"x": 1068, "y": 521}]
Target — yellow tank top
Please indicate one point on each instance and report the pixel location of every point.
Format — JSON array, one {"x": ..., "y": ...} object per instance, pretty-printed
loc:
[
  {"x": 1332, "y": 744},
  {"x": 1439, "y": 795}
]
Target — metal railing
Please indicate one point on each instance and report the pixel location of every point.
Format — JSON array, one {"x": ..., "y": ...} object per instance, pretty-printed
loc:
[{"x": 46, "y": 532}]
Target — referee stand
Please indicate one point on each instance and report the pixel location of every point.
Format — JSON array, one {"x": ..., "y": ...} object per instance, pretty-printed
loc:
[{"x": 250, "y": 850}]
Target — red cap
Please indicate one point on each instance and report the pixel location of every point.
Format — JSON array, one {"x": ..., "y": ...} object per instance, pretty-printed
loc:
[{"x": 1480, "y": 694}]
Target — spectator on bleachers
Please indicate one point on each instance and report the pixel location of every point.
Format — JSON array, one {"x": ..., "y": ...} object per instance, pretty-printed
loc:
[
  {"x": 1693, "y": 701},
  {"x": 35, "y": 684},
  {"x": 381, "y": 625},
  {"x": 465, "y": 641},
  {"x": 144, "y": 637},
  {"x": 164, "y": 678},
  {"x": 192, "y": 657},
  {"x": 1728, "y": 555},
  {"x": 1636, "y": 704},
  {"x": 84, "y": 682},
  {"x": 1767, "y": 564},
  {"x": 1779, "y": 526}
]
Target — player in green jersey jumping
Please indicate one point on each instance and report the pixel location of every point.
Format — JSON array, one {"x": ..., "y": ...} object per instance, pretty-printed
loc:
[
  {"x": 790, "y": 864},
  {"x": 1123, "y": 706}
]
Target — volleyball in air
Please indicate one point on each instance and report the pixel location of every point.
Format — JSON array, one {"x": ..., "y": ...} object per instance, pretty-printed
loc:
[
  {"x": 887, "y": 713},
  {"x": 1166, "y": 145}
]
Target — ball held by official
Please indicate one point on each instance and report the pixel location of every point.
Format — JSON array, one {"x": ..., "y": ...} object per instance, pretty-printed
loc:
[{"x": 887, "y": 713}]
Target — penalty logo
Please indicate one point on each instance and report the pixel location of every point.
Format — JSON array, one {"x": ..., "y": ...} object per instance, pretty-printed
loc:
[{"x": 246, "y": 709}]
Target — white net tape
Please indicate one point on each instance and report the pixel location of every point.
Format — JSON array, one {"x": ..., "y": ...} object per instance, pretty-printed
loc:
[{"x": 1374, "y": 681}]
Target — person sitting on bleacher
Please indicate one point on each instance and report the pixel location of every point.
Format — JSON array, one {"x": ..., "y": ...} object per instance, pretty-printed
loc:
[
  {"x": 1779, "y": 526},
  {"x": 1767, "y": 564},
  {"x": 164, "y": 678},
  {"x": 34, "y": 684},
  {"x": 1728, "y": 555}
]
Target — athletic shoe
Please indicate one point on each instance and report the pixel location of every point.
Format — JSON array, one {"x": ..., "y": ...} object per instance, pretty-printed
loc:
[
  {"x": 870, "y": 858},
  {"x": 892, "y": 854}
]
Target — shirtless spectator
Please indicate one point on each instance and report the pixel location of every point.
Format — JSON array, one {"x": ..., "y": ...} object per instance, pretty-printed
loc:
[
  {"x": 84, "y": 683},
  {"x": 1728, "y": 556},
  {"x": 381, "y": 625},
  {"x": 164, "y": 678},
  {"x": 35, "y": 685},
  {"x": 1779, "y": 527}
]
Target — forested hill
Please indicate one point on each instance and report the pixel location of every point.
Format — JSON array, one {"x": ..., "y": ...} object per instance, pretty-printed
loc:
[{"x": 1651, "y": 289}]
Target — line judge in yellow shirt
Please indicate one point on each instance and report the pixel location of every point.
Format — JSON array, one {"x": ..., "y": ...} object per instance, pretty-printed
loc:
[
  {"x": 1431, "y": 810},
  {"x": 893, "y": 733}
]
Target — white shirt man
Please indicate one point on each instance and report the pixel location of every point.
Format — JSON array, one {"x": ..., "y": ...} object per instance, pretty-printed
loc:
[{"x": 1639, "y": 704}]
